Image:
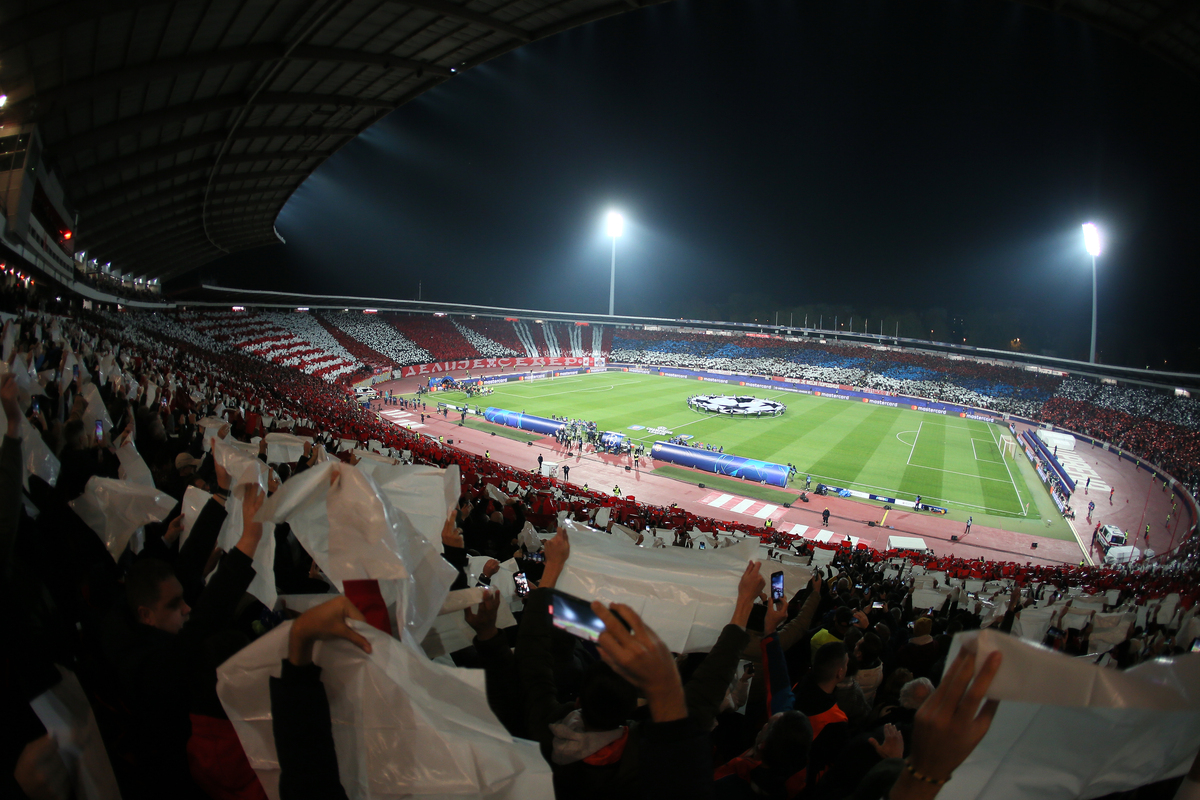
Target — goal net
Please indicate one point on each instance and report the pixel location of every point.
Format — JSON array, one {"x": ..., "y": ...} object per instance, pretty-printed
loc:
[{"x": 1008, "y": 447}]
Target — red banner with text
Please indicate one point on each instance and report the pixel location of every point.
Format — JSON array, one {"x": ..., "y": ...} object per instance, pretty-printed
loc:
[{"x": 524, "y": 362}]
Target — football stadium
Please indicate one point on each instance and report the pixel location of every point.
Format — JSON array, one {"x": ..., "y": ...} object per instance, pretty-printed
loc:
[{"x": 572, "y": 399}]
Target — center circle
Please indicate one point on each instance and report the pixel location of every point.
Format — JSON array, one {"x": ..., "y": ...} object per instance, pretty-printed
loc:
[{"x": 736, "y": 405}]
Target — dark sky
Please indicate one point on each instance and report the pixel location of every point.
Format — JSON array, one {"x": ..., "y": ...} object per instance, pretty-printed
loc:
[{"x": 875, "y": 154}]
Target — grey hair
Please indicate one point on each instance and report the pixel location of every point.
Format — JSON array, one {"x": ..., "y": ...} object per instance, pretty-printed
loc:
[{"x": 914, "y": 693}]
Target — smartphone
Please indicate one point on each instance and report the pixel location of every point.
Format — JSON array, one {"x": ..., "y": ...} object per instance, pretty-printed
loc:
[
  {"x": 877, "y": 604},
  {"x": 702, "y": 545},
  {"x": 575, "y": 616},
  {"x": 1054, "y": 633},
  {"x": 537, "y": 558},
  {"x": 1196, "y": 645},
  {"x": 521, "y": 582},
  {"x": 749, "y": 670},
  {"x": 99, "y": 429},
  {"x": 776, "y": 586},
  {"x": 75, "y": 370}
]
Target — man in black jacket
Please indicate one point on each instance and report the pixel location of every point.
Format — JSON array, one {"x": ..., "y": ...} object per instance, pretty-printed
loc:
[
  {"x": 593, "y": 752},
  {"x": 156, "y": 645}
]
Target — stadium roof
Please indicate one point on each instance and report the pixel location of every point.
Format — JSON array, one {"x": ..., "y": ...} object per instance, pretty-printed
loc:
[{"x": 180, "y": 128}]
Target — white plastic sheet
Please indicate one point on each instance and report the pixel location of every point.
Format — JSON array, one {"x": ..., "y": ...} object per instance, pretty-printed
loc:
[
  {"x": 423, "y": 494},
  {"x": 1109, "y": 630},
  {"x": 245, "y": 470},
  {"x": 686, "y": 596},
  {"x": 133, "y": 466},
  {"x": 194, "y": 501},
  {"x": 404, "y": 726},
  {"x": 27, "y": 385},
  {"x": 65, "y": 712},
  {"x": 115, "y": 509},
  {"x": 368, "y": 462},
  {"x": 529, "y": 539},
  {"x": 1078, "y": 730},
  {"x": 347, "y": 524},
  {"x": 95, "y": 410},
  {"x": 450, "y": 632},
  {"x": 36, "y": 457}
]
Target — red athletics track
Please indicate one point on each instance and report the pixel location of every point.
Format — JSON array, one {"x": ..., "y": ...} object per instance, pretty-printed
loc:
[{"x": 847, "y": 516}]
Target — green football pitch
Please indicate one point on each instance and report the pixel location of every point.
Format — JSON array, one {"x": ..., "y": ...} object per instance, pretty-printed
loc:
[{"x": 948, "y": 461}]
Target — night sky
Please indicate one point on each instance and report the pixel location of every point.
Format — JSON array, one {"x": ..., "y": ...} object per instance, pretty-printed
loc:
[{"x": 910, "y": 161}]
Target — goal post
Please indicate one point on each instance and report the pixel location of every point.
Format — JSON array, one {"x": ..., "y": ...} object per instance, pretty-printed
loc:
[{"x": 1008, "y": 447}]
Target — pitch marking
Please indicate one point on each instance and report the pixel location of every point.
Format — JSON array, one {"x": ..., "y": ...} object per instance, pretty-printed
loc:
[
  {"x": 1020, "y": 502},
  {"x": 914, "y": 444}
]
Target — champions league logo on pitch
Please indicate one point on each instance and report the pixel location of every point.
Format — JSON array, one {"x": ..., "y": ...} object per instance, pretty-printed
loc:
[{"x": 745, "y": 405}]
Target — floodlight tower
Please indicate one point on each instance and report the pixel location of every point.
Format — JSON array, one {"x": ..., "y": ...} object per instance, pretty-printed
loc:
[
  {"x": 614, "y": 224},
  {"x": 1091, "y": 241}
]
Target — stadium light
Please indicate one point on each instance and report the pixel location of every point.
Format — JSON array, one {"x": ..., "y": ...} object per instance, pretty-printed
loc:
[
  {"x": 614, "y": 225},
  {"x": 1091, "y": 241}
]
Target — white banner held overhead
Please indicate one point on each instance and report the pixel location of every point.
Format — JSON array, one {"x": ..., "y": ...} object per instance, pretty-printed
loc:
[
  {"x": 404, "y": 726},
  {"x": 687, "y": 596},
  {"x": 1078, "y": 730}
]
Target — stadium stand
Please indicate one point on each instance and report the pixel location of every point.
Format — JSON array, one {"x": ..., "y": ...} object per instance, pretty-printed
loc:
[
  {"x": 499, "y": 332},
  {"x": 550, "y": 335},
  {"x": 187, "y": 399},
  {"x": 887, "y": 369},
  {"x": 436, "y": 335},
  {"x": 537, "y": 336},
  {"x": 290, "y": 340},
  {"x": 485, "y": 346},
  {"x": 377, "y": 337}
]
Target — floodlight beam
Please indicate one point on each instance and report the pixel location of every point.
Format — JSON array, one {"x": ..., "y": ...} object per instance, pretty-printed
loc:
[
  {"x": 1091, "y": 242},
  {"x": 614, "y": 225}
]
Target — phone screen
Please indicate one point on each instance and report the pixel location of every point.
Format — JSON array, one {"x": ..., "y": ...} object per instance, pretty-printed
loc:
[
  {"x": 877, "y": 604},
  {"x": 702, "y": 545},
  {"x": 99, "y": 428},
  {"x": 776, "y": 586},
  {"x": 575, "y": 616},
  {"x": 539, "y": 558},
  {"x": 1196, "y": 645},
  {"x": 521, "y": 582}
]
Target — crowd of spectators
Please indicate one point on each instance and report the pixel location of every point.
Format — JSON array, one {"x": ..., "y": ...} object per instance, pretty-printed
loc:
[
  {"x": 383, "y": 340},
  {"x": 964, "y": 382},
  {"x": 288, "y": 339},
  {"x": 436, "y": 335},
  {"x": 852, "y": 692},
  {"x": 482, "y": 344},
  {"x": 501, "y": 332},
  {"x": 1155, "y": 424}
]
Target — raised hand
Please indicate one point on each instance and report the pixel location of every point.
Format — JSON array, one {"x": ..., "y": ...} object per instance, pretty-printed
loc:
[
  {"x": 640, "y": 657},
  {"x": 557, "y": 551},
  {"x": 451, "y": 533},
  {"x": 750, "y": 586},
  {"x": 892, "y": 745},
  {"x": 174, "y": 530},
  {"x": 326, "y": 621},
  {"x": 951, "y": 722},
  {"x": 776, "y": 614},
  {"x": 483, "y": 621}
]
